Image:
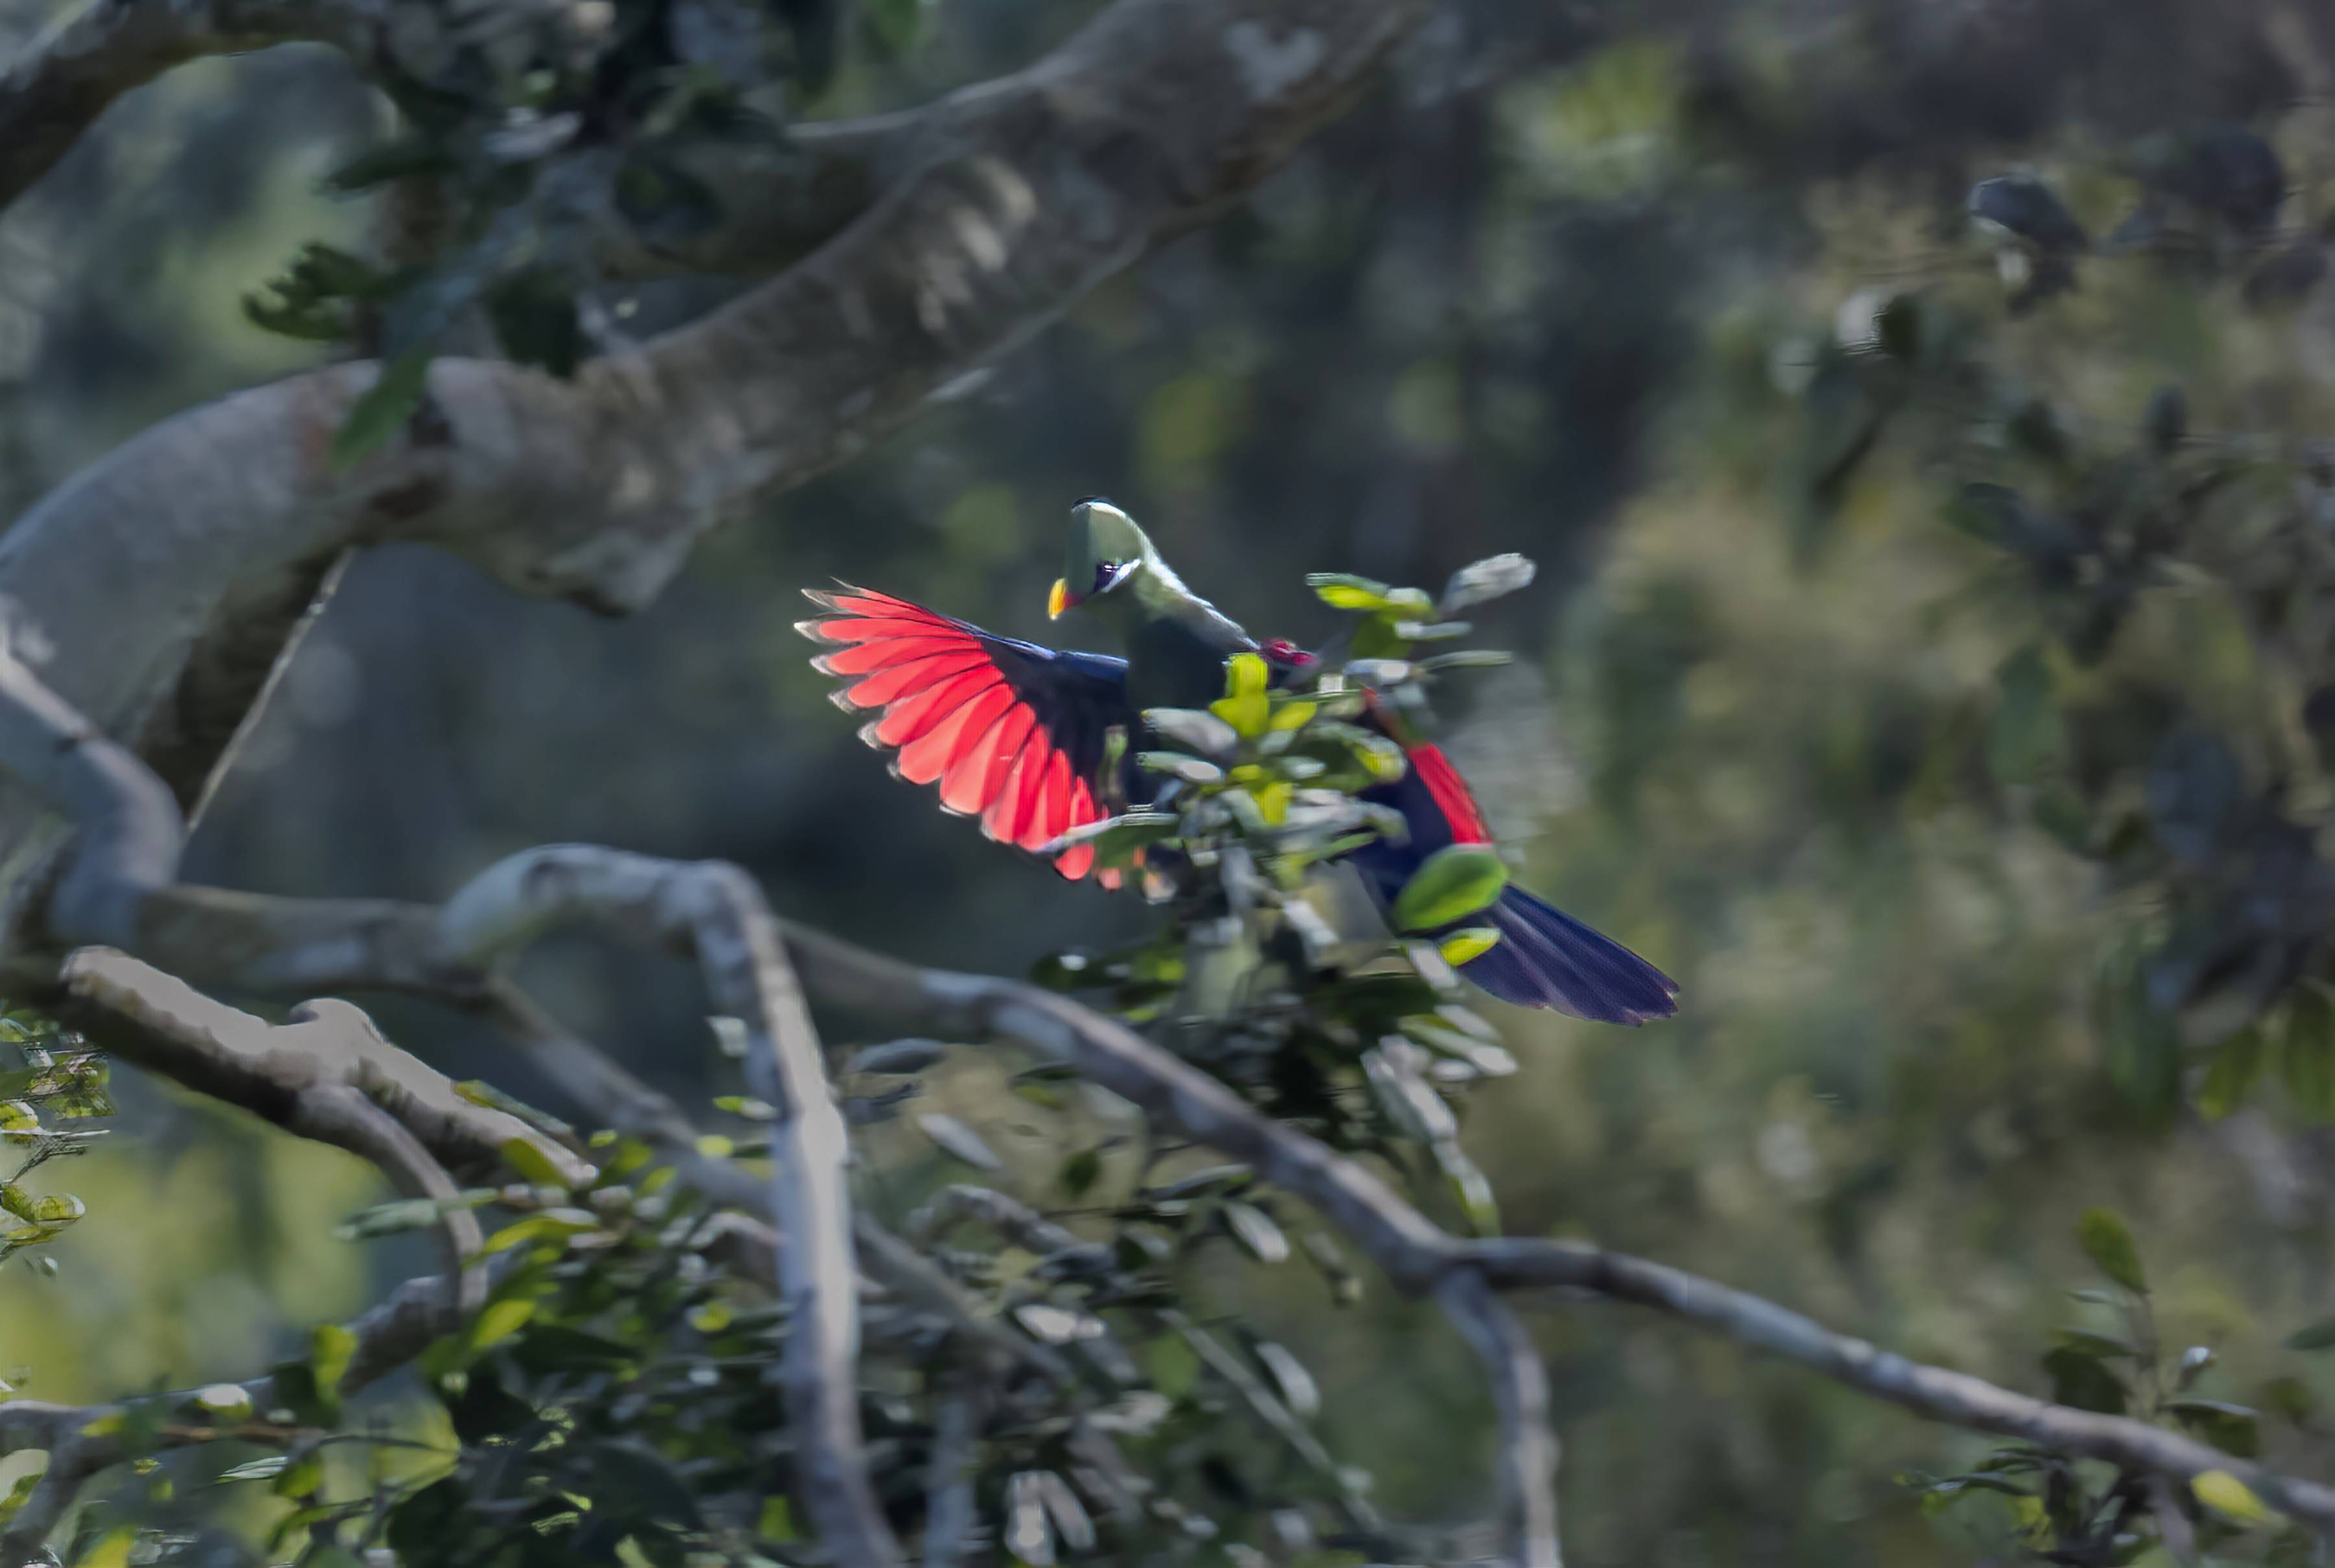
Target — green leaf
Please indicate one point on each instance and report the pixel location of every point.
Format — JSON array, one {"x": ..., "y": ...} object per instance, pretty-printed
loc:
[
  {"x": 2307, "y": 1053},
  {"x": 1190, "y": 770},
  {"x": 2232, "y": 1428},
  {"x": 2084, "y": 1381},
  {"x": 1173, "y": 1365},
  {"x": 2226, "y": 1495},
  {"x": 391, "y": 160},
  {"x": 2109, "y": 1246},
  {"x": 382, "y": 408},
  {"x": 897, "y": 23},
  {"x": 2023, "y": 733},
  {"x": 1204, "y": 734},
  {"x": 1079, "y": 1172},
  {"x": 534, "y": 320},
  {"x": 1298, "y": 1389},
  {"x": 1482, "y": 581},
  {"x": 778, "y": 1520},
  {"x": 523, "y": 1156},
  {"x": 331, "y": 1349},
  {"x": 1467, "y": 943},
  {"x": 2236, "y": 1066},
  {"x": 959, "y": 1141},
  {"x": 1343, "y": 591},
  {"x": 2319, "y": 1336},
  {"x": 1455, "y": 882},
  {"x": 552, "y": 1227},
  {"x": 498, "y": 1320},
  {"x": 303, "y": 1475},
  {"x": 1255, "y": 1230},
  {"x": 226, "y": 1401}
]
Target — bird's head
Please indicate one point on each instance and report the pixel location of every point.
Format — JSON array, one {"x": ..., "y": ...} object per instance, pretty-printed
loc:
[{"x": 1106, "y": 552}]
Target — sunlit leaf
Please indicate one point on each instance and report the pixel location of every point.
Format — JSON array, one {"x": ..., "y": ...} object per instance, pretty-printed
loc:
[
  {"x": 1468, "y": 943},
  {"x": 1255, "y": 1230},
  {"x": 2226, "y": 1495},
  {"x": 959, "y": 1141},
  {"x": 1453, "y": 883}
]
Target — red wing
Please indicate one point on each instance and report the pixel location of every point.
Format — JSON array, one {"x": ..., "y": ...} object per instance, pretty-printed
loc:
[
  {"x": 1450, "y": 793},
  {"x": 1011, "y": 731}
]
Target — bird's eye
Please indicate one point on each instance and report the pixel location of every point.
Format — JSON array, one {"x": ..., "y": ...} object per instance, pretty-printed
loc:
[{"x": 1106, "y": 574}]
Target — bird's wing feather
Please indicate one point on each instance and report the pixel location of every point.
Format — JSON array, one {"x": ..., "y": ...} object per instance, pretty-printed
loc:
[{"x": 1011, "y": 731}]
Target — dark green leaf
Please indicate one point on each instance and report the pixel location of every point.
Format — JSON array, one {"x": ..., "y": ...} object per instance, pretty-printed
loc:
[
  {"x": 2307, "y": 1053},
  {"x": 2236, "y": 1066},
  {"x": 2084, "y": 1381},
  {"x": 2319, "y": 1336},
  {"x": 2109, "y": 1246},
  {"x": 382, "y": 408},
  {"x": 1079, "y": 1172},
  {"x": 2233, "y": 1429},
  {"x": 534, "y": 320}
]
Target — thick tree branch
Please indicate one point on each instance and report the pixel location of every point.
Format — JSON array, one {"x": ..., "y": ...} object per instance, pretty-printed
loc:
[{"x": 282, "y": 1073}]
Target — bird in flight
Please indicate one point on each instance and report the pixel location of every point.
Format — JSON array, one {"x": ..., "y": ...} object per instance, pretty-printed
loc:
[{"x": 1016, "y": 734}]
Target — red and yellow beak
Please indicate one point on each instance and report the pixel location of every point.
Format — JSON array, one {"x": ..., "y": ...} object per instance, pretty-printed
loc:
[{"x": 1059, "y": 600}]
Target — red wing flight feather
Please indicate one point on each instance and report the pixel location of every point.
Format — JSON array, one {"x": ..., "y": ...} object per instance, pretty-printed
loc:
[{"x": 1011, "y": 731}]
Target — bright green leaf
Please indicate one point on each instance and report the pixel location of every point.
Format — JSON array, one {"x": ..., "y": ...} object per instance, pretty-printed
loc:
[
  {"x": 1468, "y": 944},
  {"x": 2226, "y": 1495},
  {"x": 1455, "y": 882}
]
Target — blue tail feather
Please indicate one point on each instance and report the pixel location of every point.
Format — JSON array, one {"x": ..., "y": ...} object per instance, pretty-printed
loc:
[{"x": 1545, "y": 958}]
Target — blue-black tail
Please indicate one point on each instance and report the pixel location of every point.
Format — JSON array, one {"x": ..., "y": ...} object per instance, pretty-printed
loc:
[{"x": 1545, "y": 958}]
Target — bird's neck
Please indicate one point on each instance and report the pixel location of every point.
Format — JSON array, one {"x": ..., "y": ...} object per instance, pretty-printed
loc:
[{"x": 1176, "y": 642}]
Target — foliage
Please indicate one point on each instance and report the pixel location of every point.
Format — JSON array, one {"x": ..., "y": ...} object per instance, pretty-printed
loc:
[
  {"x": 527, "y": 134},
  {"x": 54, "y": 1079},
  {"x": 2070, "y": 1510},
  {"x": 615, "y": 1398}
]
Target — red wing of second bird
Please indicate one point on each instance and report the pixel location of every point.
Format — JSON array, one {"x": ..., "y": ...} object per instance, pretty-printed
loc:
[{"x": 1011, "y": 731}]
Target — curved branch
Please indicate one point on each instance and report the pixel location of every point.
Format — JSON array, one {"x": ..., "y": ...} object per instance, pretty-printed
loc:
[
  {"x": 341, "y": 1114},
  {"x": 158, "y": 1022},
  {"x": 1528, "y": 1440},
  {"x": 1954, "y": 1397}
]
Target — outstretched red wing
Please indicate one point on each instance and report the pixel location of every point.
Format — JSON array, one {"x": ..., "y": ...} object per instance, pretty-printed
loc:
[{"x": 1011, "y": 731}]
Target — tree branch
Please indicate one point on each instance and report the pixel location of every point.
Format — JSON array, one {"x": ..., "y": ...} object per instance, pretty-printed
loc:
[
  {"x": 1528, "y": 1441},
  {"x": 1956, "y": 1399},
  {"x": 716, "y": 914}
]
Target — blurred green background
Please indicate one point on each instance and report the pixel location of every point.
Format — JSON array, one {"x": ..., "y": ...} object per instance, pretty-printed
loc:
[{"x": 1558, "y": 289}]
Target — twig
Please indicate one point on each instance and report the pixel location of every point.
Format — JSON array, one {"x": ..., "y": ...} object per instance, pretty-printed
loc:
[
  {"x": 1954, "y": 1397},
  {"x": 1528, "y": 1442},
  {"x": 949, "y": 1517}
]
